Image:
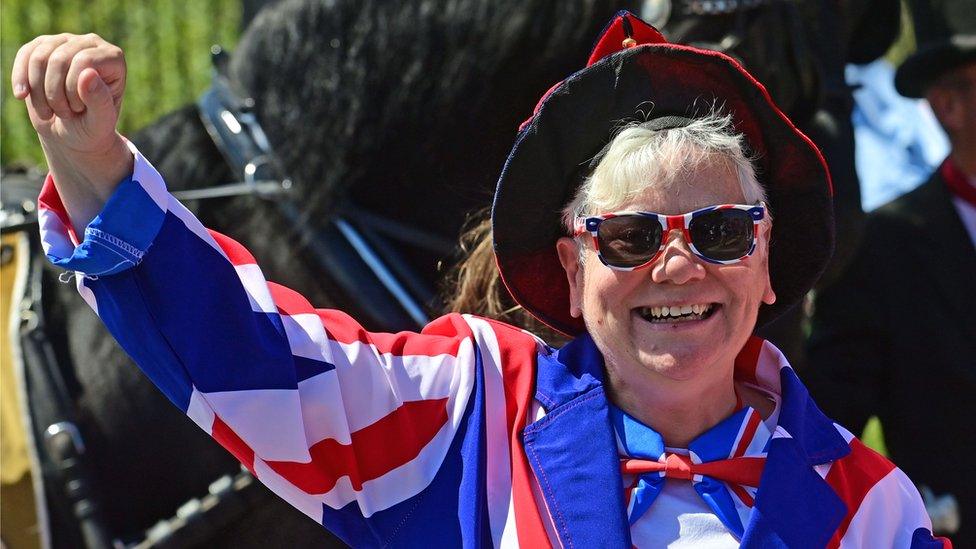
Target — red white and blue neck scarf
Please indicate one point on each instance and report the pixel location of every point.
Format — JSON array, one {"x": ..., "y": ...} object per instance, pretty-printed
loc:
[{"x": 723, "y": 464}]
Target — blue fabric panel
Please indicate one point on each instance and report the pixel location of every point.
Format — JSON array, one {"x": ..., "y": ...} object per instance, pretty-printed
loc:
[
  {"x": 798, "y": 508},
  {"x": 573, "y": 370},
  {"x": 306, "y": 367},
  {"x": 922, "y": 539},
  {"x": 808, "y": 426},
  {"x": 639, "y": 440},
  {"x": 716, "y": 495},
  {"x": 580, "y": 475},
  {"x": 119, "y": 236},
  {"x": 223, "y": 343},
  {"x": 716, "y": 443},
  {"x": 122, "y": 309},
  {"x": 763, "y": 532},
  {"x": 472, "y": 495}
]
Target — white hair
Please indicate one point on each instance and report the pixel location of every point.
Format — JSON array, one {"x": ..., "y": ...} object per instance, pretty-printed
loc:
[{"x": 639, "y": 158}]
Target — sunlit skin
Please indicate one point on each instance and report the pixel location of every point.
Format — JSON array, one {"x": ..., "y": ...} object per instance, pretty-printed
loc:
[{"x": 675, "y": 377}]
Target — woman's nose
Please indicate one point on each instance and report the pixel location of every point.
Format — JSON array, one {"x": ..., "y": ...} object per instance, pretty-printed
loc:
[{"x": 677, "y": 264}]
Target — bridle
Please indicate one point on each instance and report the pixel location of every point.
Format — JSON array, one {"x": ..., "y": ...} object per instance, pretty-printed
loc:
[{"x": 356, "y": 248}]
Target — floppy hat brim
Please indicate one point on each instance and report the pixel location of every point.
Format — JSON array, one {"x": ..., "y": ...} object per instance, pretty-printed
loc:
[{"x": 577, "y": 118}]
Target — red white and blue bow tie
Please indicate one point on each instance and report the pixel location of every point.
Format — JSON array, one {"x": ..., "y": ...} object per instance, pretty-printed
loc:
[{"x": 724, "y": 464}]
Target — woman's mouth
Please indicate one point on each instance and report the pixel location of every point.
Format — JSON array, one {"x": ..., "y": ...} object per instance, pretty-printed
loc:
[{"x": 677, "y": 313}]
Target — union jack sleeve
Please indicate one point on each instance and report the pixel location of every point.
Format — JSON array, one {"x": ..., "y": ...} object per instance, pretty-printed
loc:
[{"x": 352, "y": 428}]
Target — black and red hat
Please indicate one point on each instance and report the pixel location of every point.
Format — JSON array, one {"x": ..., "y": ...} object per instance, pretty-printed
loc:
[{"x": 634, "y": 74}]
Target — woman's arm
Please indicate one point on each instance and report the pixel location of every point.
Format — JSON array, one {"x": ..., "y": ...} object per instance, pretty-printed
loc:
[
  {"x": 73, "y": 87},
  {"x": 351, "y": 427},
  {"x": 340, "y": 422}
]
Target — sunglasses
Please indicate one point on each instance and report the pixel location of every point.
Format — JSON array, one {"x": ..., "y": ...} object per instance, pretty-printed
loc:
[{"x": 722, "y": 234}]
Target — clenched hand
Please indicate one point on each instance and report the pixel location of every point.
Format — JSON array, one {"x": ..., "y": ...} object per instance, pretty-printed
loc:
[{"x": 73, "y": 87}]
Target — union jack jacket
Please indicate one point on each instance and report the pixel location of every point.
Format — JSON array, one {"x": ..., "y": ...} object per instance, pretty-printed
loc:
[{"x": 470, "y": 433}]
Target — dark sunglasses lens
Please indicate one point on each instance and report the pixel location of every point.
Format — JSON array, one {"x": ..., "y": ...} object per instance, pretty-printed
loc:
[
  {"x": 722, "y": 235},
  {"x": 629, "y": 240}
]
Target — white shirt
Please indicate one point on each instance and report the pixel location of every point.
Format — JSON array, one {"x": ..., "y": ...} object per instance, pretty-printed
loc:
[{"x": 680, "y": 518}]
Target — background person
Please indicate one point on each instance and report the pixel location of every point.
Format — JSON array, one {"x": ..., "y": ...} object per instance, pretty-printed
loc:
[{"x": 896, "y": 336}]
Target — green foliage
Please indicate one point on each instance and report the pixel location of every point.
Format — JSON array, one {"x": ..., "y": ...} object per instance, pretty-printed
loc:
[
  {"x": 873, "y": 436},
  {"x": 905, "y": 44},
  {"x": 166, "y": 44}
]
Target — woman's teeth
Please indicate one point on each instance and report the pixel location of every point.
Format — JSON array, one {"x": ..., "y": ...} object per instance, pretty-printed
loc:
[{"x": 682, "y": 313}]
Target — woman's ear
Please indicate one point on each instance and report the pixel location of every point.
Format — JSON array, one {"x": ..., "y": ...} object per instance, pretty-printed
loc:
[
  {"x": 569, "y": 256},
  {"x": 769, "y": 295}
]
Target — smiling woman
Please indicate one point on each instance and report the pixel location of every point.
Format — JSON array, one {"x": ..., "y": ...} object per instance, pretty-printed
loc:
[{"x": 677, "y": 363}]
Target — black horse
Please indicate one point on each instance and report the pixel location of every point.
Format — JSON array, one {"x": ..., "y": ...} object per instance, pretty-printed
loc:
[{"x": 401, "y": 111}]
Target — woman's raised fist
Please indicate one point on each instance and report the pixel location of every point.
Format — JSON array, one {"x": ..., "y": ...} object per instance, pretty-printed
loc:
[{"x": 73, "y": 85}]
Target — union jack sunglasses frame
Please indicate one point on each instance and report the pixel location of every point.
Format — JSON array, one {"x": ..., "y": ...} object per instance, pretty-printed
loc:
[{"x": 669, "y": 223}]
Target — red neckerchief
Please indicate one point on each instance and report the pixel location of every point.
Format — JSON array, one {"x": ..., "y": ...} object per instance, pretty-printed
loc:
[{"x": 957, "y": 182}]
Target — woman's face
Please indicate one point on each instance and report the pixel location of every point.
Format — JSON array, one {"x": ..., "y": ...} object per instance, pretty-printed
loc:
[{"x": 616, "y": 306}]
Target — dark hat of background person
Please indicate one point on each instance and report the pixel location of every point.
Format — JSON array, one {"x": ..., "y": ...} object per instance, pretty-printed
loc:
[
  {"x": 633, "y": 74},
  {"x": 945, "y": 34}
]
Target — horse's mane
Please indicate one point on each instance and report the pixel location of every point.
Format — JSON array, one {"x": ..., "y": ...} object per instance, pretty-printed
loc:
[
  {"x": 407, "y": 109},
  {"x": 416, "y": 100},
  {"x": 180, "y": 148}
]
